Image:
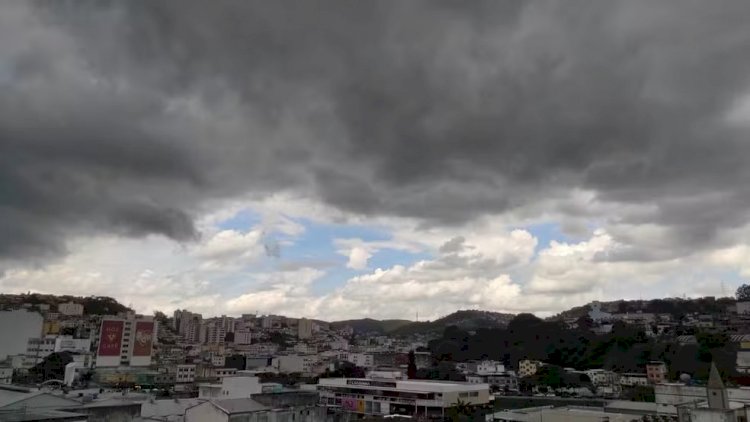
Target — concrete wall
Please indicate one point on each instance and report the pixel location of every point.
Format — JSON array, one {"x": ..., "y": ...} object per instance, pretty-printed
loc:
[{"x": 16, "y": 327}]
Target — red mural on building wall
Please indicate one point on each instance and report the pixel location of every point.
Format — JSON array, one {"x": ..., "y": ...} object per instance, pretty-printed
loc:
[
  {"x": 110, "y": 338},
  {"x": 144, "y": 338}
]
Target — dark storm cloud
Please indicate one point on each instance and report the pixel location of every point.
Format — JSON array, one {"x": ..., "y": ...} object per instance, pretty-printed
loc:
[{"x": 126, "y": 117}]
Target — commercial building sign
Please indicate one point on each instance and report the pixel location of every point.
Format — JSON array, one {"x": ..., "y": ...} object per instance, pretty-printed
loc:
[
  {"x": 110, "y": 338},
  {"x": 372, "y": 383},
  {"x": 144, "y": 337}
]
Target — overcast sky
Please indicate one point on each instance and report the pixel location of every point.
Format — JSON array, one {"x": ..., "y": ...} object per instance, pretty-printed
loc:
[{"x": 340, "y": 159}]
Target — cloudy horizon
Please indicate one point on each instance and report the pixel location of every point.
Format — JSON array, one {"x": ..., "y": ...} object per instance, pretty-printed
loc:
[{"x": 341, "y": 160}]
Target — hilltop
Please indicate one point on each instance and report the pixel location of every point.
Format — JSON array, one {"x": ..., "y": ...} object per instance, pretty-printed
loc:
[
  {"x": 465, "y": 319},
  {"x": 677, "y": 307},
  {"x": 92, "y": 305},
  {"x": 369, "y": 325}
]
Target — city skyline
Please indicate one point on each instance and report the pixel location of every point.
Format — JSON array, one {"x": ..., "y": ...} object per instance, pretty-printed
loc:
[{"x": 334, "y": 161}]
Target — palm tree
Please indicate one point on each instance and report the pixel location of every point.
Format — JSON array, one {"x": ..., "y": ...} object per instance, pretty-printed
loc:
[{"x": 461, "y": 411}]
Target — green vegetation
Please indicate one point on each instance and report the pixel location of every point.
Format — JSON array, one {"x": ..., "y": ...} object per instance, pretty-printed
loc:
[
  {"x": 368, "y": 325},
  {"x": 92, "y": 305},
  {"x": 625, "y": 349}
]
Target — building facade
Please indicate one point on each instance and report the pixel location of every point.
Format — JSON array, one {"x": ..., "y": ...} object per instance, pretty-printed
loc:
[
  {"x": 70, "y": 309},
  {"x": 125, "y": 341},
  {"x": 16, "y": 328},
  {"x": 407, "y": 397},
  {"x": 304, "y": 328}
]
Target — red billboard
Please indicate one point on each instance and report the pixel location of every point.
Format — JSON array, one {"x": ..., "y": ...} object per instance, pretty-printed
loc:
[
  {"x": 110, "y": 338},
  {"x": 144, "y": 337}
]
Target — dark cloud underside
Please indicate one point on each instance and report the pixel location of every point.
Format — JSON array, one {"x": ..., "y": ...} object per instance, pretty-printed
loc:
[{"x": 125, "y": 117}]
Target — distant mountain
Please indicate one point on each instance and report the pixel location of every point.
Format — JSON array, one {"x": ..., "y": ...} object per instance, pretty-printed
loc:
[
  {"x": 92, "y": 305},
  {"x": 467, "y": 319},
  {"x": 368, "y": 325}
]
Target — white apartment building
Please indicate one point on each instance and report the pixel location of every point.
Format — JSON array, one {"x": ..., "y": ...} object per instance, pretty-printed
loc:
[
  {"x": 241, "y": 384},
  {"x": 601, "y": 377},
  {"x": 363, "y": 360},
  {"x": 218, "y": 360},
  {"x": 305, "y": 348},
  {"x": 16, "y": 328},
  {"x": 70, "y": 309},
  {"x": 45, "y": 346},
  {"x": 188, "y": 324},
  {"x": 487, "y": 367},
  {"x": 40, "y": 347},
  {"x": 304, "y": 328},
  {"x": 261, "y": 349},
  {"x": 125, "y": 341},
  {"x": 185, "y": 373},
  {"x": 243, "y": 337},
  {"x": 6, "y": 375},
  {"x": 216, "y": 329},
  {"x": 633, "y": 379},
  {"x": 295, "y": 363}
]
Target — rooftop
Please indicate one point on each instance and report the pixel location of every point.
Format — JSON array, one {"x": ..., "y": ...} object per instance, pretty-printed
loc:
[
  {"x": 242, "y": 405},
  {"x": 409, "y": 385}
]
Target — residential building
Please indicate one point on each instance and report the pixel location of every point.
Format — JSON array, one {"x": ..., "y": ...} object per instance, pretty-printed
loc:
[
  {"x": 188, "y": 325},
  {"x": 633, "y": 378},
  {"x": 185, "y": 373},
  {"x": 239, "y": 384},
  {"x": 213, "y": 373},
  {"x": 70, "y": 309},
  {"x": 214, "y": 332},
  {"x": 125, "y": 341},
  {"x": 243, "y": 336},
  {"x": 6, "y": 374},
  {"x": 656, "y": 372},
  {"x": 295, "y": 363},
  {"x": 40, "y": 348},
  {"x": 270, "y": 322},
  {"x": 261, "y": 349},
  {"x": 16, "y": 328},
  {"x": 527, "y": 367},
  {"x": 408, "y": 397},
  {"x": 601, "y": 377},
  {"x": 487, "y": 367},
  {"x": 364, "y": 360},
  {"x": 304, "y": 328},
  {"x": 218, "y": 360},
  {"x": 506, "y": 381},
  {"x": 305, "y": 348}
]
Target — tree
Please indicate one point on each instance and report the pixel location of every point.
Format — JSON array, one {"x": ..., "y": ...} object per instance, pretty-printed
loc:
[
  {"x": 743, "y": 293},
  {"x": 161, "y": 317},
  {"x": 52, "y": 367},
  {"x": 461, "y": 411},
  {"x": 411, "y": 370}
]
